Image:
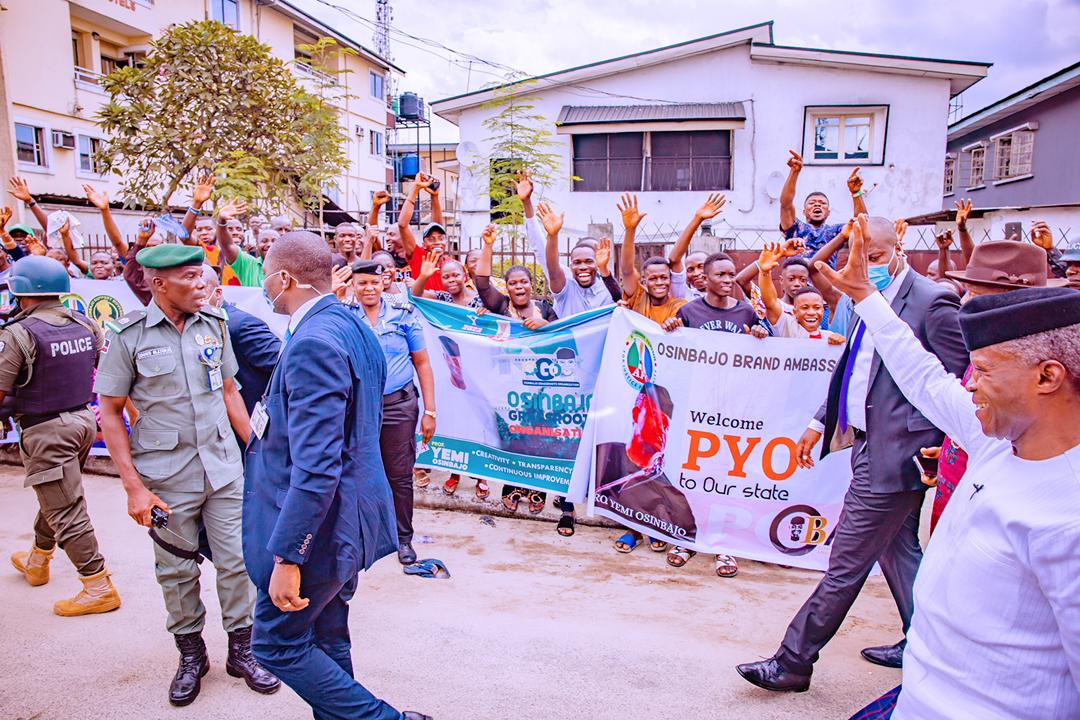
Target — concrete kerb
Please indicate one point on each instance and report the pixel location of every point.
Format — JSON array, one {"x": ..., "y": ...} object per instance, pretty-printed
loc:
[{"x": 431, "y": 497}]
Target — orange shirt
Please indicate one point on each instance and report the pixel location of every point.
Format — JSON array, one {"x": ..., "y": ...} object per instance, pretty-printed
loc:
[
  {"x": 640, "y": 303},
  {"x": 213, "y": 256}
]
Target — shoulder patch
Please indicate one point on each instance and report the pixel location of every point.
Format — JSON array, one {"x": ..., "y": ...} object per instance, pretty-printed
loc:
[
  {"x": 399, "y": 303},
  {"x": 121, "y": 324}
]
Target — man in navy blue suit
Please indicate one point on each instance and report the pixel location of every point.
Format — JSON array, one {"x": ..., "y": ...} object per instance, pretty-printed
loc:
[{"x": 317, "y": 504}]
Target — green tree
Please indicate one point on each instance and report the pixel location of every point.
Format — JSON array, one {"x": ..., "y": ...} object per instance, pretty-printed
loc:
[
  {"x": 519, "y": 139},
  {"x": 211, "y": 98}
]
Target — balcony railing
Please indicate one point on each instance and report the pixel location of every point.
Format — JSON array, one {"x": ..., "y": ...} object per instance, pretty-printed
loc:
[{"x": 89, "y": 77}]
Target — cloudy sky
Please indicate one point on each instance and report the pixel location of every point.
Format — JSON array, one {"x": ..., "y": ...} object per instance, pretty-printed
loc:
[{"x": 1025, "y": 39}]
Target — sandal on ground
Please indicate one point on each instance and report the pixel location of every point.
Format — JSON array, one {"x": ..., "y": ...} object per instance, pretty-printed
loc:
[
  {"x": 537, "y": 501},
  {"x": 658, "y": 546},
  {"x": 422, "y": 477},
  {"x": 482, "y": 490},
  {"x": 511, "y": 499},
  {"x": 679, "y": 556},
  {"x": 450, "y": 486},
  {"x": 627, "y": 543},
  {"x": 566, "y": 525},
  {"x": 726, "y": 566}
]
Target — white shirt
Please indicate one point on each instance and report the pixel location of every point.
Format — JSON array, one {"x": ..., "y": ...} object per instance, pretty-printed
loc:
[
  {"x": 996, "y": 628},
  {"x": 294, "y": 320},
  {"x": 859, "y": 385},
  {"x": 573, "y": 298}
]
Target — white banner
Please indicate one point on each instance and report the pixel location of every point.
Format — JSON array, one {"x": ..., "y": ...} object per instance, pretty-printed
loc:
[{"x": 691, "y": 438}]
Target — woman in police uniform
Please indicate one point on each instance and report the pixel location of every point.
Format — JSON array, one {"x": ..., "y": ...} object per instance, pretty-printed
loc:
[{"x": 393, "y": 319}]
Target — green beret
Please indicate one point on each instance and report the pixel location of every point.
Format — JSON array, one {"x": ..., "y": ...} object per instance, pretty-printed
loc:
[{"x": 170, "y": 255}]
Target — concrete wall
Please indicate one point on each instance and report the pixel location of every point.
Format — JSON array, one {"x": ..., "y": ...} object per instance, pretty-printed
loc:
[
  {"x": 1055, "y": 162},
  {"x": 908, "y": 182}
]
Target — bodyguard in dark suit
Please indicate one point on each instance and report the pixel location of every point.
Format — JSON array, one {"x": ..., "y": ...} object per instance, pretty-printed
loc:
[
  {"x": 317, "y": 505},
  {"x": 257, "y": 349},
  {"x": 880, "y": 518}
]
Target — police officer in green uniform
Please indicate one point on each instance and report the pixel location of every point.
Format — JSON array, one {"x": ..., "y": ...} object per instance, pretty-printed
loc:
[
  {"x": 47, "y": 356},
  {"x": 174, "y": 360}
]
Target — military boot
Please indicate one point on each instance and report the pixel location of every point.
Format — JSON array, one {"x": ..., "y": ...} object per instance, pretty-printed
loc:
[
  {"x": 242, "y": 663},
  {"x": 34, "y": 565},
  {"x": 194, "y": 664},
  {"x": 97, "y": 596}
]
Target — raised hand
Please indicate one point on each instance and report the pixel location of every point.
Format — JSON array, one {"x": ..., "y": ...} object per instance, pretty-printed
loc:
[
  {"x": 423, "y": 180},
  {"x": 232, "y": 210},
  {"x": 712, "y": 207},
  {"x": 146, "y": 230},
  {"x": 1042, "y": 236},
  {"x": 523, "y": 185},
  {"x": 963, "y": 212},
  {"x": 18, "y": 189},
  {"x": 853, "y": 279},
  {"x": 97, "y": 198},
  {"x": 432, "y": 262},
  {"x": 489, "y": 235},
  {"x": 900, "y": 226},
  {"x": 628, "y": 208},
  {"x": 380, "y": 198},
  {"x": 552, "y": 223},
  {"x": 340, "y": 280},
  {"x": 5, "y": 216},
  {"x": 204, "y": 188},
  {"x": 795, "y": 162},
  {"x": 603, "y": 255},
  {"x": 944, "y": 240},
  {"x": 770, "y": 256},
  {"x": 793, "y": 247},
  {"x": 854, "y": 181}
]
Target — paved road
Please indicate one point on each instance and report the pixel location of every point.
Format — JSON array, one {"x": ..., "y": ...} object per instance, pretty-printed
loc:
[{"x": 532, "y": 626}]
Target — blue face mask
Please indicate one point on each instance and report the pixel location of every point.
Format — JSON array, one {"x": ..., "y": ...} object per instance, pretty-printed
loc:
[{"x": 880, "y": 276}]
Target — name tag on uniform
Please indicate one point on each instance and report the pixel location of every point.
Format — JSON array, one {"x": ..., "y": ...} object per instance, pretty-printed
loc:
[
  {"x": 215, "y": 378},
  {"x": 259, "y": 419}
]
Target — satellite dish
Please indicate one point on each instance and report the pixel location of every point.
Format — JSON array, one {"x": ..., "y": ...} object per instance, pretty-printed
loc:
[
  {"x": 467, "y": 148},
  {"x": 774, "y": 184}
]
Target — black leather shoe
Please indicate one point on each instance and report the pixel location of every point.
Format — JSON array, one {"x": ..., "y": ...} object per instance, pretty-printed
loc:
[
  {"x": 411, "y": 715},
  {"x": 771, "y": 675},
  {"x": 194, "y": 664},
  {"x": 891, "y": 656},
  {"x": 242, "y": 663},
  {"x": 405, "y": 554}
]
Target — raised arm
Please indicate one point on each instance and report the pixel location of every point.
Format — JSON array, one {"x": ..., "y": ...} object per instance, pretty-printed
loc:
[
  {"x": 943, "y": 240},
  {"x": 603, "y": 269},
  {"x": 8, "y": 241},
  {"x": 552, "y": 225},
  {"x": 100, "y": 200},
  {"x": 628, "y": 208},
  {"x": 204, "y": 188},
  {"x": 712, "y": 207},
  {"x": 787, "y": 194},
  {"x": 493, "y": 299},
  {"x": 963, "y": 212},
  {"x": 69, "y": 248},
  {"x": 523, "y": 186},
  {"x": 229, "y": 211},
  {"x": 767, "y": 262},
  {"x": 436, "y": 205},
  {"x": 826, "y": 251},
  {"x": 377, "y": 201},
  {"x": 858, "y": 197},
  {"x": 408, "y": 240},
  {"x": 18, "y": 189},
  {"x": 429, "y": 267}
]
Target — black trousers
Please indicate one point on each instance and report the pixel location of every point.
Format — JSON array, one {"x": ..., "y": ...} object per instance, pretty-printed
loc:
[
  {"x": 873, "y": 527},
  {"x": 397, "y": 441}
]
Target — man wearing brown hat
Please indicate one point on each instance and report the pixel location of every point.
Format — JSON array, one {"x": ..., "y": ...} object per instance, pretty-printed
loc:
[
  {"x": 995, "y": 267},
  {"x": 997, "y": 598}
]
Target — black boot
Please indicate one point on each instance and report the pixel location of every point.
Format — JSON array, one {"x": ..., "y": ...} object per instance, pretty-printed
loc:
[
  {"x": 242, "y": 663},
  {"x": 193, "y": 665}
]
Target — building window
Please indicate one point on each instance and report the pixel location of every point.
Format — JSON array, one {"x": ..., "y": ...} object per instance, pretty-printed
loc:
[
  {"x": 609, "y": 162},
  {"x": 978, "y": 163},
  {"x": 682, "y": 161},
  {"x": 950, "y": 175},
  {"x": 30, "y": 145},
  {"x": 1012, "y": 154},
  {"x": 76, "y": 49},
  {"x": 378, "y": 85},
  {"x": 226, "y": 11},
  {"x": 90, "y": 155},
  {"x": 376, "y": 141},
  {"x": 302, "y": 40},
  {"x": 845, "y": 135}
]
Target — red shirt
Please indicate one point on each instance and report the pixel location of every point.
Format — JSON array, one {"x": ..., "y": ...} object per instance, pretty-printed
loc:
[{"x": 435, "y": 281}]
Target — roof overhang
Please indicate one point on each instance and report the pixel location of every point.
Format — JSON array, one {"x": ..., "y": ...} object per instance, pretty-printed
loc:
[
  {"x": 1044, "y": 89},
  {"x": 581, "y": 119},
  {"x": 950, "y": 215},
  {"x": 960, "y": 74},
  {"x": 287, "y": 8}
]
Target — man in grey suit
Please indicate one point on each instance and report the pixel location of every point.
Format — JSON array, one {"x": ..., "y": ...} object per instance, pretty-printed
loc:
[{"x": 880, "y": 519}]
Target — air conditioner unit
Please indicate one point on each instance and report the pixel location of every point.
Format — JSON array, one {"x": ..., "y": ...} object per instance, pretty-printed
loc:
[
  {"x": 61, "y": 139},
  {"x": 358, "y": 130}
]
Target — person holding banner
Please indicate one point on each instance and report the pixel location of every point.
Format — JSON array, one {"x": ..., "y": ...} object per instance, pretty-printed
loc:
[
  {"x": 880, "y": 521},
  {"x": 402, "y": 341},
  {"x": 454, "y": 278},
  {"x": 807, "y": 303}
]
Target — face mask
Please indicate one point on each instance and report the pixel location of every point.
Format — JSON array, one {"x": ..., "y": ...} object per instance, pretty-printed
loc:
[
  {"x": 880, "y": 275},
  {"x": 303, "y": 286}
]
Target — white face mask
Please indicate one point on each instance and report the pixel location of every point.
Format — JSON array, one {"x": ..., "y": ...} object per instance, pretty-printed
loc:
[{"x": 284, "y": 274}]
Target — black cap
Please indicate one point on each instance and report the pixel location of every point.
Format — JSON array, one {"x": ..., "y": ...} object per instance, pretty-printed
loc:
[
  {"x": 992, "y": 319},
  {"x": 368, "y": 267}
]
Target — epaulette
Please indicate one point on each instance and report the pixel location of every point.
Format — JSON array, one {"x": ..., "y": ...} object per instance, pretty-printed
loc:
[
  {"x": 399, "y": 302},
  {"x": 214, "y": 312},
  {"x": 121, "y": 324}
]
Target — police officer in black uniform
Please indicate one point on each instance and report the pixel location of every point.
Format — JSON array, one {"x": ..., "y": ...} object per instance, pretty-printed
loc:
[{"x": 47, "y": 358}]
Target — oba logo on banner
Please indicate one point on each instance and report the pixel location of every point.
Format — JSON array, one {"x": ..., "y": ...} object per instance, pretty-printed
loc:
[
  {"x": 798, "y": 529},
  {"x": 638, "y": 360},
  {"x": 101, "y": 308}
]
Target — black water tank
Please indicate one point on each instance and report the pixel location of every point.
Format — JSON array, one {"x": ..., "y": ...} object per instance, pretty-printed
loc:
[{"x": 411, "y": 107}]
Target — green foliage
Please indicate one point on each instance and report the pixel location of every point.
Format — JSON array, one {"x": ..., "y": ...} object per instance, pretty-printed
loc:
[{"x": 211, "y": 98}]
